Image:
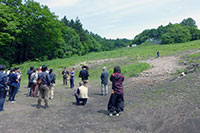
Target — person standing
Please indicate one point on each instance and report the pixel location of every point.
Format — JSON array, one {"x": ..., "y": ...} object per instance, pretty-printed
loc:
[
  {"x": 33, "y": 79},
  {"x": 84, "y": 74},
  {"x": 14, "y": 85},
  {"x": 72, "y": 73},
  {"x": 44, "y": 82},
  {"x": 65, "y": 74},
  {"x": 81, "y": 94},
  {"x": 19, "y": 75},
  {"x": 3, "y": 86},
  {"x": 29, "y": 72},
  {"x": 116, "y": 102},
  {"x": 158, "y": 54},
  {"x": 104, "y": 82},
  {"x": 52, "y": 84}
]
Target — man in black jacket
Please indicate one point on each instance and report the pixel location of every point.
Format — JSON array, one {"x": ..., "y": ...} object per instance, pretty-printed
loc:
[{"x": 84, "y": 75}]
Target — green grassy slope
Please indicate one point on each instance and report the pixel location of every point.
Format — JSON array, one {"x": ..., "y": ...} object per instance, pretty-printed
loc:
[{"x": 129, "y": 59}]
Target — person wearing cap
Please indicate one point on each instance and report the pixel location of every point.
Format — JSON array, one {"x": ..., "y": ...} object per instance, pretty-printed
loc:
[
  {"x": 44, "y": 82},
  {"x": 116, "y": 102},
  {"x": 84, "y": 74},
  {"x": 3, "y": 86},
  {"x": 104, "y": 82},
  {"x": 81, "y": 94}
]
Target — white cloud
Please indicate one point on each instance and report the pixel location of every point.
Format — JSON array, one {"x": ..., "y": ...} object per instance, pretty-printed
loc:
[
  {"x": 124, "y": 18},
  {"x": 58, "y": 3}
]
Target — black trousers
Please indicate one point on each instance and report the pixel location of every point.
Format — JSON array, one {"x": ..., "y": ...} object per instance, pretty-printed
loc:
[
  {"x": 116, "y": 103},
  {"x": 78, "y": 100}
]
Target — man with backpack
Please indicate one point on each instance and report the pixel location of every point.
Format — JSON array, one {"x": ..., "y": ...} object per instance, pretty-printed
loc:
[{"x": 43, "y": 82}]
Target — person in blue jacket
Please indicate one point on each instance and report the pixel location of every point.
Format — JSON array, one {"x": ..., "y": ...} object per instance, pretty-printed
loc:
[
  {"x": 14, "y": 85},
  {"x": 3, "y": 86}
]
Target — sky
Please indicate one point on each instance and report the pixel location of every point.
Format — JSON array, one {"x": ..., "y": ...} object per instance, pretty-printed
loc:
[{"x": 124, "y": 18}]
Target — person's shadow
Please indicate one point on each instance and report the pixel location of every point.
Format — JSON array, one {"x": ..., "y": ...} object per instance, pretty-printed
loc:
[
  {"x": 105, "y": 112},
  {"x": 74, "y": 103}
]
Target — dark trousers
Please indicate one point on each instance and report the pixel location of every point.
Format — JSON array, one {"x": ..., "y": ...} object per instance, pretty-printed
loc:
[
  {"x": 71, "y": 83},
  {"x": 34, "y": 89},
  {"x": 2, "y": 98},
  {"x": 12, "y": 93},
  {"x": 116, "y": 103},
  {"x": 64, "y": 81},
  {"x": 78, "y": 100}
]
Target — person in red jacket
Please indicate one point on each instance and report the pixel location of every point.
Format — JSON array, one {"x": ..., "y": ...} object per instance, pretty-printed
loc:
[{"x": 116, "y": 102}]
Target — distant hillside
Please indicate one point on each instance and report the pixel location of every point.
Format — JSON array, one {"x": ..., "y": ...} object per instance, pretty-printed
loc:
[
  {"x": 172, "y": 33},
  {"x": 127, "y": 58},
  {"x": 30, "y": 31}
]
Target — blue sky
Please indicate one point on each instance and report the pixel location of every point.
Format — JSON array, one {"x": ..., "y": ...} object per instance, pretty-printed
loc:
[{"x": 124, "y": 18}]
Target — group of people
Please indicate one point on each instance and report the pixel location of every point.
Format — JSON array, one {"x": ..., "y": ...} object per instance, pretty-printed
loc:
[
  {"x": 9, "y": 82},
  {"x": 68, "y": 76},
  {"x": 44, "y": 79},
  {"x": 116, "y": 101}
]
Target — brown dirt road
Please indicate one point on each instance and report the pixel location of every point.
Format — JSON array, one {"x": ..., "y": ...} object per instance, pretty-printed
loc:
[{"x": 154, "y": 102}]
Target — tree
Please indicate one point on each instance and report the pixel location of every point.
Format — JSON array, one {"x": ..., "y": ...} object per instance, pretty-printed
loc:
[
  {"x": 9, "y": 23},
  {"x": 189, "y": 22},
  {"x": 176, "y": 34}
]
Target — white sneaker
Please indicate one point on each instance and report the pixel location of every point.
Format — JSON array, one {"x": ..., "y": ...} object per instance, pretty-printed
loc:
[
  {"x": 12, "y": 101},
  {"x": 117, "y": 114},
  {"x": 110, "y": 114}
]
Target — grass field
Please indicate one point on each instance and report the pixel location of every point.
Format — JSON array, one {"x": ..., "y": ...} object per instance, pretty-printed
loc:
[{"x": 129, "y": 63}]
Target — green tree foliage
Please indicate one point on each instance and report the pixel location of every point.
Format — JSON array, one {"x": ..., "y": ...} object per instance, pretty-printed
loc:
[
  {"x": 9, "y": 23},
  {"x": 189, "y": 22},
  {"x": 29, "y": 31},
  {"x": 176, "y": 34},
  {"x": 172, "y": 33}
]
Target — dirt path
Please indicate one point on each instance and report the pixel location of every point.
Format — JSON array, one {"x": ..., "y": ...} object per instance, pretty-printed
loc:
[
  {"x": 161, "y": 69},
  {"x": 96, "y": 62},
  {"x": 152, "y": 104}
]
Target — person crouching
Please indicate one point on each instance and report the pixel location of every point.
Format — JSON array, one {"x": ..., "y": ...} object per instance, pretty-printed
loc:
[
  {"x": 81, "y": 94},
  {"x": 116, "y": 102}
]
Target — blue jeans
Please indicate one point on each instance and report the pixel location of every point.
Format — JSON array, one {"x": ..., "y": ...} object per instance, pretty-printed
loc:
[
  {"x": 2, "y": 98},
  {"x": 12, "y": 93},
  {"x": 71, "y": 83}
]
